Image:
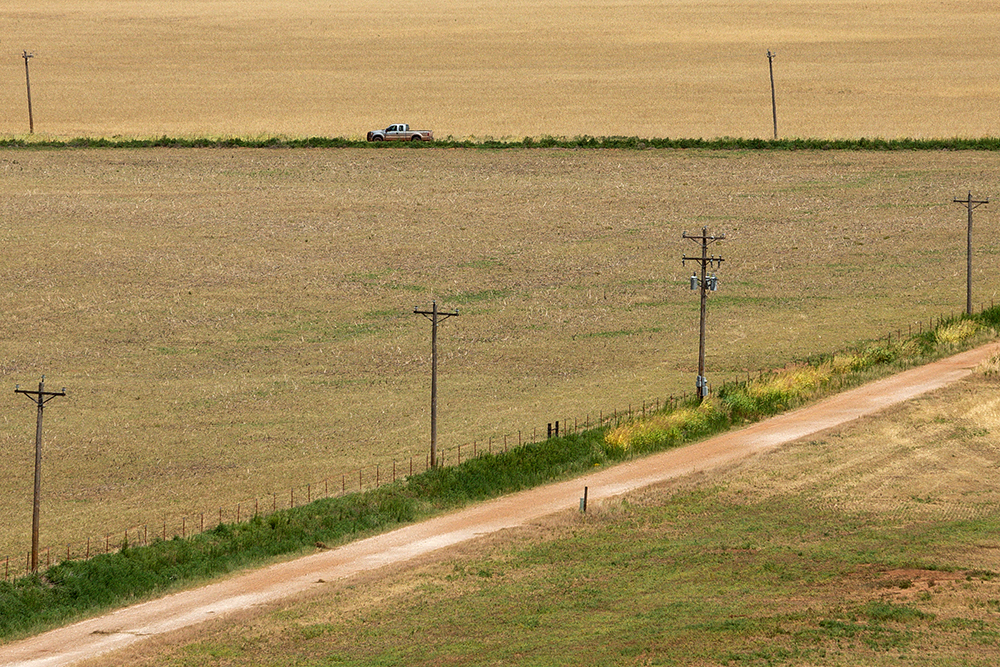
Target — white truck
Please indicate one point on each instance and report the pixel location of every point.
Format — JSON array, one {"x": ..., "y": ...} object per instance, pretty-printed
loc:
[{"x": 400, "y": 132}]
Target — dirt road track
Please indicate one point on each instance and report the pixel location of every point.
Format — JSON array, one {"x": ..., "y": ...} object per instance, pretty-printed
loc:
[{"x": 86, "y": 639}]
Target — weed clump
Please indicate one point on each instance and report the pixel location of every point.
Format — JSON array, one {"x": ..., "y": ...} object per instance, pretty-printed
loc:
[
  {"x": 665, "y": 430},
  {"x": 957, "y": 332}
]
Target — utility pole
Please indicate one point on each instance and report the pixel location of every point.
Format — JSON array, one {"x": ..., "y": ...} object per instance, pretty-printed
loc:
[
  {"x": 971, "y": 204},
  {"x": 40, "y": 398},
  {"x": 706, "y": 283},
  {"x": 774, "y": 106},
  {"x": 27, "y": 82},
  {"x": 435, "y": 316}
]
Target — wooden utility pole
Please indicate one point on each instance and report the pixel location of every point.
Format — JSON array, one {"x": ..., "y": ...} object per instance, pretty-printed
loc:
[
  {"x": 706, "y": 283},
  {"x": 774, "y": 106},
  {"x": 435, "y": 316},
  {"x": 971, "y": 204},
  {"x": 40, "y": 398},
  {"x": 27, "y": 82}
]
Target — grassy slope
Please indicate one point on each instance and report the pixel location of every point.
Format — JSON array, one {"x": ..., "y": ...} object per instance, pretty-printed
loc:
[{"x": 874, "y": 544}]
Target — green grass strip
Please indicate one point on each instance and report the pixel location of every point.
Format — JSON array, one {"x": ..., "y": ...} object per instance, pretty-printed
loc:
[{"x": 635, "y": 143}]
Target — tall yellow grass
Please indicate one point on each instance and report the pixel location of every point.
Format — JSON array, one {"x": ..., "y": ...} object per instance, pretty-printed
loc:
[{"x": 684, "y": 68}]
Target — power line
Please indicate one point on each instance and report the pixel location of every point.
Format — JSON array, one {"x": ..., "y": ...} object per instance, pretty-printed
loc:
[
  {"x": 774, "y": 106},
  {"x": 27, "y": 83},
  {"x": 706, "y": 283},
  {"x": 435, "y": 316},
  {"x": 971, "y": 204},
  {"x": 39, "y": 398}
]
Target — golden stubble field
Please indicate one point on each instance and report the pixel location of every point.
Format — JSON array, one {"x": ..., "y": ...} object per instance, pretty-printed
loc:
[
  {"x": 232, "y": 323},
  {"x": 680, "y": 68}
]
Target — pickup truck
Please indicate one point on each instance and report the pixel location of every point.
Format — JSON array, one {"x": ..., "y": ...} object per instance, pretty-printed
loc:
[{"x": 400, "y": 132}]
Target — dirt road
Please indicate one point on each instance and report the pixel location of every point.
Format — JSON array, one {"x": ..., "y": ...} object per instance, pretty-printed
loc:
[{"x": 86, "y": 639}]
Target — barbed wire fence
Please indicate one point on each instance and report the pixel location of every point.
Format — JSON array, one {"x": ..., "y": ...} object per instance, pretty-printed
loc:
[{"x": 359, "y": 479}]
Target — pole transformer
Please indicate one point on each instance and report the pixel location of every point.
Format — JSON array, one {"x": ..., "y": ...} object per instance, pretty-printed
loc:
[
  {"x": 705, "y": 283},
  {"x": 39, "y": 398},
  {"x": 435, "y": 316},
  {"x": 971, "y": 204}
]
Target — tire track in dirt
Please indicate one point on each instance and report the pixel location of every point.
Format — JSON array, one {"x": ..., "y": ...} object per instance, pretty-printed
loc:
[{"x": 92, "y": 637}]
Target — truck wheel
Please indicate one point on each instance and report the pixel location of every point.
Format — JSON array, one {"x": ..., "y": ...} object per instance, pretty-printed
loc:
[
  {"x": 378, "y": 138},
  {"x": 415, "y": 137}
]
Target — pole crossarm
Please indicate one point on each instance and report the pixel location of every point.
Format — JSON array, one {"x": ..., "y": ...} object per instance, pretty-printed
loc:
[
  {"x": 437, "y": 315},
  {"x": 40, "y": 397},
  {"x": 974, "y": 203}
]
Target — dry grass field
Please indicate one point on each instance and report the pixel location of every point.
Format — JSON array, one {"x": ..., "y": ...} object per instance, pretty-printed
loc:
[
  {"x": 872, "y": 545},
  {"x": 680, "y": 68},
  {"x": 232, "y": 323}
]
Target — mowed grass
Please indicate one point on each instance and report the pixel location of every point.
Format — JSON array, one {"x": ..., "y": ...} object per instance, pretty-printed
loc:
[
  {"x": 875, "y": 544},
  {"x": 233, "y": 323},
  {"x": 686, "y": 68}
]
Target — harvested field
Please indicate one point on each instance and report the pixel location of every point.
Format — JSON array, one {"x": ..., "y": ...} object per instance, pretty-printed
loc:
[
  {"x": 232, "y": 323},
  {"x": 684, "y": 68}
]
